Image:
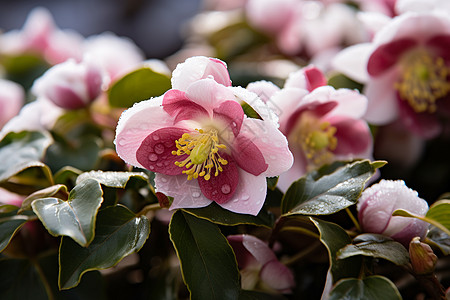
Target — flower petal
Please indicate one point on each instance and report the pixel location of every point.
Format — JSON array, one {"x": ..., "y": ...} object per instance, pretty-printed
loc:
[
  {"x": 177, "y": 105},
  {"x": 308, "y": 78},
  {"x": 221, "y": 188},
  {"x": 135, "y": 125},
  {"x": 352, "y": 61},
  {"x": 199, "y": 67},
  {"x": 155, "y": 151},
  {"x": 185, "y": 193},
  {"x": 232, "y": 113},
  {"x": 387, "y": 55},
  {"x": 264, "y": 89},
  {"x": 248, "y": 156},
  {"x": 277, "y": 276},
  {"x": 271, "y": 143},
  {"x": 297, "y": 170},
  {"x": 249, "y": 196},
  {"x": 208, "y": 94}
]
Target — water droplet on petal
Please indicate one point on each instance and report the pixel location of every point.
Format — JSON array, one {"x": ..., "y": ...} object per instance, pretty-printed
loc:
[
  {"x": 155, "y": 137},
  {"x": 159, "y": 148},
  {"x": 163, "y": 179},
  {"x": 122, "y": 142},
  {"x": 152, "y": 157},
  {"x": 272, "y": 157},
  {"x": 234, "y": 124},
  {"x": 159, "y": 164},
  {"x": 226, "y": 189},
  {"x": 195, "y": 194},
  {"x": 245, "y": 197}
]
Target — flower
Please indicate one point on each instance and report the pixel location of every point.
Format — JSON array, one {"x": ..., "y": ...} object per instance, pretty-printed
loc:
[
  {"x": 70, "y": 85},
  {"x": 378, "y": 202},
  {"x": 12, "y": 97},
  {"x": 322, "y": 124},
  {"x": 257, "y": 261},
  {"x": 200, "y": 144},
  {"x": 423, "y": 259},
  {"x": 406, "y": 71},
  {"x": 8, "y": 198}
]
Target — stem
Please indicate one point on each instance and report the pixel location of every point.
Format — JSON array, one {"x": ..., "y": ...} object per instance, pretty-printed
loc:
[
  {"x": 301, "y": 230},
  {"x": 352, "y": 217},
  {"x": 147, "y": 208}
]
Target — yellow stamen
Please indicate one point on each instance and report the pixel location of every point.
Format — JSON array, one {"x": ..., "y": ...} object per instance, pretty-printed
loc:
[
  {"x": 203, "y": 150},
  {"x": 425, "y": 79}
]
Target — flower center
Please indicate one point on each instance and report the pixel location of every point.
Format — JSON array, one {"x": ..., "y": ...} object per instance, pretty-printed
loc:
[
  {"x": 203, "y": 150},
  {"x": 316, "y": 139},
  {"x": 424, "y": 80}
]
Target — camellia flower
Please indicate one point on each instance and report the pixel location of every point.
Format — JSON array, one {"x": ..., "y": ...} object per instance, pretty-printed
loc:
[
  {"x": 200, "y": 144},
  {"x": 70, "y": 85},
  {"x": 8, "y": 198},
  {"x": 378, "y": 202},
  {"x": 12, "y": 97},
  {"x": 258, "y": 262},
  {"x": 321, "y": 123},
  {"x": 406, "y": 71}
]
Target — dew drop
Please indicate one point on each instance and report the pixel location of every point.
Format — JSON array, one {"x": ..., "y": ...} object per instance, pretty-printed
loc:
[
  {"x": 226, "y": 189},
  {"x": 195, "y": 194},
  {"x": 122, "y": 142},
  {"x": 159, "y": 148},
  {"x": 234, "y": 124},
  {"x": 163, "y": 179},
  {"x": 272, "y": 157},
  {"x": 159, "y": 164},
  {"x": 152, "y": 157},
  {"x": 151, "y": 168},
  {"x": 155, "y": 137},
  {"x": 245, "y": 197}
]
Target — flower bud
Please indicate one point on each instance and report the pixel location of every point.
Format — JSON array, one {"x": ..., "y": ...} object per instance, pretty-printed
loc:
[
  {"x": 11, "y": 100},
  {"x": 377, "y": 203},
  {"x": 70, "y": 85},
  {"x": 423, "y": 259}
]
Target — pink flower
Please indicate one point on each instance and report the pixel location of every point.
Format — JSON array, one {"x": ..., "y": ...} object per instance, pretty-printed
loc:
[
  {"x": 378, "y": 202},
  {"x": 41, "y": 36},
  {"x": 406, "y": 70},
  {"x": 200, "y": 144},
  {"x": 258, "y": 262},
  {"x": 8, "y": 198},
  {"x": 322, "y": 124},
  {"x": 12, "y": 97},
  {"x": 70, "y": 85}
]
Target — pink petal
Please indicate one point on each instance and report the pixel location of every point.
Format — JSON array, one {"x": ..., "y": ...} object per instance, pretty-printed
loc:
[
  {"x": 155, "y": 151},
  {"x": 248, "y": 156},
  {"x": 264, "y": 89},
  {"x": 208, "y": 94},
  {"x": 185, "y": 193},
  {"x": 243, "y": 256},
  {"x": 286, "y": 102},
  {"x": 232, "y": 114},
  {"x": 277, "y": 276},
  {"x": 415, "y": 228},
  {"x": 271, "y": 143},
  {"x": 135, "y": 125},
  {"x": 314, "y": 78},
  {"x": 352, "y": 61},
  {"x": 180, "y": 107},
  {"x": 353, "y": 136},
  {"x": 387, "y": 55},
  {"x": 440, "y": 45},
  {"x": 259, "y": 249},
  {"x": 12, "y": 97},
  {"x": 221, "y": 188},
  {"x": 65, "y": 97},
  {"x": 249, "y": 196},
  {"x": 197, "y": 68},
  {"x": 424, "y": 124},
  {"x": 297, "y": 170}
]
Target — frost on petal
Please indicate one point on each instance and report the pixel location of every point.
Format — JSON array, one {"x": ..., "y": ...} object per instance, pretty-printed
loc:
[
  {"x": 221, "y": 188},
  {"x": 135, "y": 125},
  {"x": 155, "y": 151},
  {"x": 197, "y": 68},
  {"x": 185, "y": 193},
  {"x": 232, "y": 114},
  {"x": 177, "y": 105},
  {"x": 248, "y": 156},
  {"x": 264, "y": 89}
]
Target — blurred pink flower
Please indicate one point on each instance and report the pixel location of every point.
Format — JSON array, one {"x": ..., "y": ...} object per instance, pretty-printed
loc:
[
  {"x": 378, "y": 202},
  {"x": 70, "y": 85},
  {"x": 12, "y": 97},
  {"x": 322, "y": 124},
  {"x": 8, "y": 198},
  {"x": 200, "y": 144},
  {"x": 406, "y": 70},
  {"x": 258, "y": 262},
  {"x": 42, "y": 37}
]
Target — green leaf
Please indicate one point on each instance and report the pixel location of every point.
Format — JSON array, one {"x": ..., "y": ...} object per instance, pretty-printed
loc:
[
  {"x": 10, "y": 223},
  {"x": 439, "y": 239},
  {"x": 76, "y": 216},
  {"x": 207, "y": 261},
  {"x": 19, "y": 151},
  {"x": 328, "y": 190},
  {"x": 112, "y": 179},
  {"x": 136, "y": 86},
  {"x": 254, "y": 295},
  {"x": 334, "y": 238},
  {"x": 118, "y": 233},
  {"x": 58, "y": 191},
  {"x": 341, "y": 81},
  {"x": 376, "y": 245},
  {"x": 373, "y": 288},
  {"x": 438, "y": 215},
  {"x": 219, "y": 215}
]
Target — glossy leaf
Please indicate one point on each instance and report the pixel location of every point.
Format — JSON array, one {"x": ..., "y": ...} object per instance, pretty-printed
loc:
[
  {"x": 341, "y": 81},
  {"x": 207, "y": 261},
  {"x": 439, "y": 239},
  {"x": 76, "y": 216},
  {"x": 373, "y": 288},
  {"x": 58, "y": 191},
  {"x": 219, "y": 215},
  {"x": 376, "y": 245},
  {"x": 329, "y": 189},
  {"x": 136, "y": 86},
  {"x": 438, "y": 215},
  {"x": 112, "y": 179},
  {"x": 19, "y": 151},
  {"x": 118, "y": 233},
  {"x": 334, "y": 238},
  {"x": 10, "y": 223}
]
